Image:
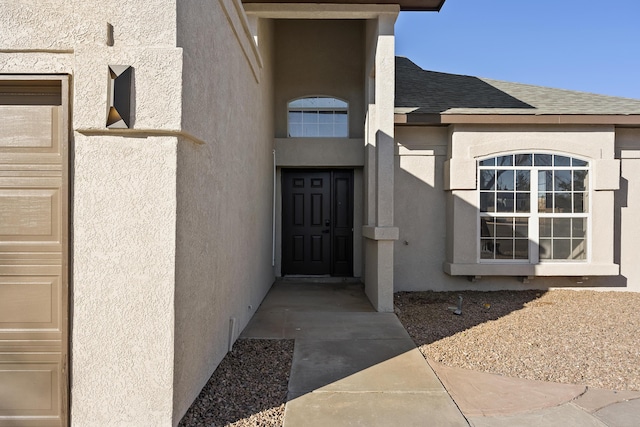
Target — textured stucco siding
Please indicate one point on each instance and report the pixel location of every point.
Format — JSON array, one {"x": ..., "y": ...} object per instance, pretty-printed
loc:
[
  {"x": 123, "y": 259},
  {"x": 420, "y": 210},
  {"x": 379, "y": 228},
  {"x": 36, "y": 63},
  {"x": 225, "y": 191},
  {"x": 37, "y": 24},
  {"x": 315, "y": 57},
  {"x": 135, "y": 23},
  {"x": 123, "y": 200},
  {"x": 627, "y": 203},
  {"x": 64, "y": 24},
  {"x": 124, "y": 204},
  {"x": 423, "y": 210},
  {"x": 37, "y": 36},
  {"x": 156, "y": 86}
]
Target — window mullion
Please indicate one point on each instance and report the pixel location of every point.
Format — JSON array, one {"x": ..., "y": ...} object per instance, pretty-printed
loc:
[{"x": 534, "y": 224}]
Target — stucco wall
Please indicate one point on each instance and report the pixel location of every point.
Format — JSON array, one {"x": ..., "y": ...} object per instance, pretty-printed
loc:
[
  {"x": 64, "y": 24},
  {"x": 423, "y": 209},
  {"x": 36, "y": 36},
  {"x": 628, "y": 206},
  {"x": 123, "y": 279},
  {"x": 124, "y": 202},
  {"x": 319, "y": 58},
  {"x": 123, "y": 199},
  {"x": 420, "y": 210},
  {"x": 34, "y": 24},
  {"x": 225, "y": 190},
  {"x": 124, "y": 218},
  {"x": 156, "y": 86}
]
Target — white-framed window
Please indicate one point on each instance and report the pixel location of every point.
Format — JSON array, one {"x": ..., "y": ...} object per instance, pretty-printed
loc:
[
  {"x": 318, "y": 116},
  {"x": 533, "y": 207}
]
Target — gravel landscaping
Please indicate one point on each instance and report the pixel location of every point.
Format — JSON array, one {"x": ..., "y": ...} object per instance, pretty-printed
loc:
[
  {"x": 579, "y": 337},
  {"x": 249, "y": 387}
]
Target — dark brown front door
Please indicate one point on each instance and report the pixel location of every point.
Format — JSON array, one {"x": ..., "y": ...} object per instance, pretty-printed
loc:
[{"x": 317, "y": 218}]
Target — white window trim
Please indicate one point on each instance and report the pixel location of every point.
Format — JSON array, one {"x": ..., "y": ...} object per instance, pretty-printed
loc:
[
  {"x": 317, "y": 109},
  {"x": 534, "y": 215}
]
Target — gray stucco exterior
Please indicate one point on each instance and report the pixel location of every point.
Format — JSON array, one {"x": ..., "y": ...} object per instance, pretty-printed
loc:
[{"x": 176, "y": 226}]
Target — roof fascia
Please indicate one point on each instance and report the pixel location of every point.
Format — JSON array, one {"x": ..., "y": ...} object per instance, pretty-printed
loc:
[
  {"x": 319, "y": 11},
  {"x": 558, "y": 119},
  {"x": 404, "y": 5},
  {"x": 405, "y": 8}
]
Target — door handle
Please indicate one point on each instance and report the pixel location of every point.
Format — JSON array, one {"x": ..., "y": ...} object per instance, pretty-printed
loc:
[{"x": 326, "y": 231}]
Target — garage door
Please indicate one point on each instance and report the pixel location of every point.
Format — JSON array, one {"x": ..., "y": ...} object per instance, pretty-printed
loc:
[{"x": 33, "y": 251}]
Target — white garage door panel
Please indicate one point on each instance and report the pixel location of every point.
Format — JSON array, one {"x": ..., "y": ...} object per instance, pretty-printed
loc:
[
  {"x": 33, "y": 381},
  {"x": 31, "y": 135},
  {"x": 28, "y": 212},
  {"x": 29, "y": 302},
  {"x": 31, "y": 214},
  {"x": 30, "y": 384},
  {"x": 27, "y": 127},
  {"x": 33, "y": 255}
]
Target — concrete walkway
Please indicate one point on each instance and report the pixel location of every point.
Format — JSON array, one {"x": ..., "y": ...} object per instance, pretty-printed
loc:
[
  {"x": 353, "y": 366},
  {"x": 494, "y": 400}
]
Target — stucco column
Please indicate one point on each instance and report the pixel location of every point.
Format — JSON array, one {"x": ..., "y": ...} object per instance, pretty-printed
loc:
[
  {"x": 124, "y": 228},
  {"x": 379, "y": 232}
]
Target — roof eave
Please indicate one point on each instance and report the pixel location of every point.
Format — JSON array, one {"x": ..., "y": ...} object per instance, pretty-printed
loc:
[
  {"x": 405, "y": 5},
  {"x": 432, "y": 119},
  {"x": 408, "y": 8}
]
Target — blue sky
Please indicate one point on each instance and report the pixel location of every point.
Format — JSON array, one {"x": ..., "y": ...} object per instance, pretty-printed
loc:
[{"x": 585, "y": 45}]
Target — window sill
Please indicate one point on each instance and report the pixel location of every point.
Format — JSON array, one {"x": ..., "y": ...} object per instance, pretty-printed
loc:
[{"x": 547, "y": 269}]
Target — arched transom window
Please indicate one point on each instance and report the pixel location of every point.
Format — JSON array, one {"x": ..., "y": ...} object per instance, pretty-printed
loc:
[
  {"x": 318, "y": 116},
  {"x": 533, "y": 207}
]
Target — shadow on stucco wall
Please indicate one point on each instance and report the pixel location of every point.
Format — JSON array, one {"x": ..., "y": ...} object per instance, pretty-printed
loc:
[{"x": 620, "y": 201}]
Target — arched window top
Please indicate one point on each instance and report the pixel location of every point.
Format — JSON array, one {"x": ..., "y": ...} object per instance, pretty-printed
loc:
[
  {"x": 533, "y": 159},
  {"x": 324, "y": 102},
  {"x": 318, "y": 116},
  {"x": 533, "y": 207}
]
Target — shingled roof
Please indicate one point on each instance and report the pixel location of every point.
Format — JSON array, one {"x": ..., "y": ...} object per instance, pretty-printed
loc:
[{"x": 433, "y": 97}]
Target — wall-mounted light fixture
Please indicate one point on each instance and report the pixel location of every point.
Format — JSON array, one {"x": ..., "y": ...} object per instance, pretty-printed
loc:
[{"x": 119, "y": 105}]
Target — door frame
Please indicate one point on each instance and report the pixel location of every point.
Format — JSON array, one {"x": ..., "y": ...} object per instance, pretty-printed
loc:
[{"x": 333, "y": 174}]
